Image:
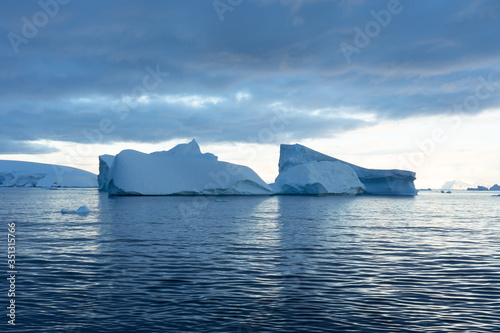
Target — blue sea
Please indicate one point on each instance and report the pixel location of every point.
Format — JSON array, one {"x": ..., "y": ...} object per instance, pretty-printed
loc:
[{"x": 429, "y": 263}]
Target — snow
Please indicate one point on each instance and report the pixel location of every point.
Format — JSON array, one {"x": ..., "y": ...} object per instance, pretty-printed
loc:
[
  {"x": 30, "y": 174},
  {"x": 318, "y": 178},
  {"x": 183, "y": 170},
  {"x": 456, "y": 184},
  {"x": 81, "y": 210},
  {"x": 305, "y": 171}
]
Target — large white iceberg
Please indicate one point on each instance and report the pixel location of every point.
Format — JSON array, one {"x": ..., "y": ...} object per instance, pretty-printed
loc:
[
  {"x": 305, "y": 171},
  {"x": 30, "y": 174},
  {"x": 318, "y": 177},
  {"x": 183, "y": 170}
]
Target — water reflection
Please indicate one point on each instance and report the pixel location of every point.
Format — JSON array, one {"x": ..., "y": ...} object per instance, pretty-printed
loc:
[{"x": 256, "y": 264}]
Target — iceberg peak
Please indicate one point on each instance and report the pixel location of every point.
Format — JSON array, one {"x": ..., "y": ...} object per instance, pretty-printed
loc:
[
  {"x": 190, "y": 149},
  {"x": 292, "y": 155},
  {"x": 182, "y": 170}
]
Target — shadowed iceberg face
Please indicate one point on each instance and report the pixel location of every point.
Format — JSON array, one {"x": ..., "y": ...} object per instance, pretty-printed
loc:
[
  {"x": 305, "y": 171},
  {"x": 105, "y": 163}
]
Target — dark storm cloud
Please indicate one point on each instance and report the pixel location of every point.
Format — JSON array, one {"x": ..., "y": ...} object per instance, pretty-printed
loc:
[
  {"x": 19, "y": 147},
  {"x": 71, "y": 70}
]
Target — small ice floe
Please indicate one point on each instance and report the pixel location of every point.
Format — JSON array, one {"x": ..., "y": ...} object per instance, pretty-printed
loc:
[
  {"x": 448, "y": 192},
  {"x": 81, "y": 210},
  {"x": 50, "y": 188},
  {"x": 496, "y": 195},
  {"x": 220, "y": 200}
]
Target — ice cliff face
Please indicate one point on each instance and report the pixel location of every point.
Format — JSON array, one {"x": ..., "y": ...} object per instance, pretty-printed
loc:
[
  {"x": 183, "y": 170},
  {"x": 305, "y": 171},
  {"x": 105, "y": 163},
  {"x": 29, "y": 174}
]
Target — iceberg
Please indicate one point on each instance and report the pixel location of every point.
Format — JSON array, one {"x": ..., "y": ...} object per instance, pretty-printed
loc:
[
  {"x": 495, "y": 188},
  {"x": 105, "y": 163},
  {"x": 478, "y": 188},
  {"x": 182, "y": 170},
  {"x": 318, "y": 177},
  {"x": 306, "y": 171},
  {"x": 81, "y": 210},
  {"x": 455, "y": 184},
  {"x": 30, "y": 174}
]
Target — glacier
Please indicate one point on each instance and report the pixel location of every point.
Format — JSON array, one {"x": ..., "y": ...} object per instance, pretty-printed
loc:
[
  {"x": 182, "y": 170},
  {"x": 30, "y": 174},
  {"x": 306, "y": 171}
]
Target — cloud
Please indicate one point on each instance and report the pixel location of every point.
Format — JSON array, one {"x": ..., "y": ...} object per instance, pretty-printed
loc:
[
  {"x": 12, "y": 147},
  {"x": 88, "y": 66}
]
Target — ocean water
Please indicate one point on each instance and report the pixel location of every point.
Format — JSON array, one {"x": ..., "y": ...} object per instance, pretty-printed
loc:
[{"x": 429, "y": 263}]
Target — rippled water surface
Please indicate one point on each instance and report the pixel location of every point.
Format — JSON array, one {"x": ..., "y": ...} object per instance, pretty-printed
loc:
[{"x": 258, "y": 264}]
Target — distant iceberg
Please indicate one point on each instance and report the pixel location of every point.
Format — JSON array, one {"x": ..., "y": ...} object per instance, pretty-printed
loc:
[
  {"x": 455, "y": 184},
  {"x": 182, "y": 170},
  {"x": 29, "y": 174},
  {"x": 495, "y": 188},
  {"x": 305, "y": 171}
]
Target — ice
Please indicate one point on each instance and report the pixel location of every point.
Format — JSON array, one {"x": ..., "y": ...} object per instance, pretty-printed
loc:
[
  {"x": 456, "y": 184},
  {"x": 105, "y": 163},
  {"x": 495, "y": 188},
  {"x": 80, "y": 210},
  {"x": 305, "y": 171},
  {"x": 318, "y": 178},
  {"x": 183, "y": 170},
  {"x": 29, "y": 174}
]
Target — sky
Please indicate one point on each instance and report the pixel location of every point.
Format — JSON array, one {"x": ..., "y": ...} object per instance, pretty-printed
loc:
[{"x": 382, "y": 84}]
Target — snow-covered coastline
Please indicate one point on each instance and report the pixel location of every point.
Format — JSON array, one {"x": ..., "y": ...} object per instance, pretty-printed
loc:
[{"x": 30, "y": 174}]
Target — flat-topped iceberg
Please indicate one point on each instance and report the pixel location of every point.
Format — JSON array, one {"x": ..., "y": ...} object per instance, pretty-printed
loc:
[
  {"x": 305, "y": 171},
  {"x": 30, "y": 174},
  {"x": 183, "y": 170}
]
